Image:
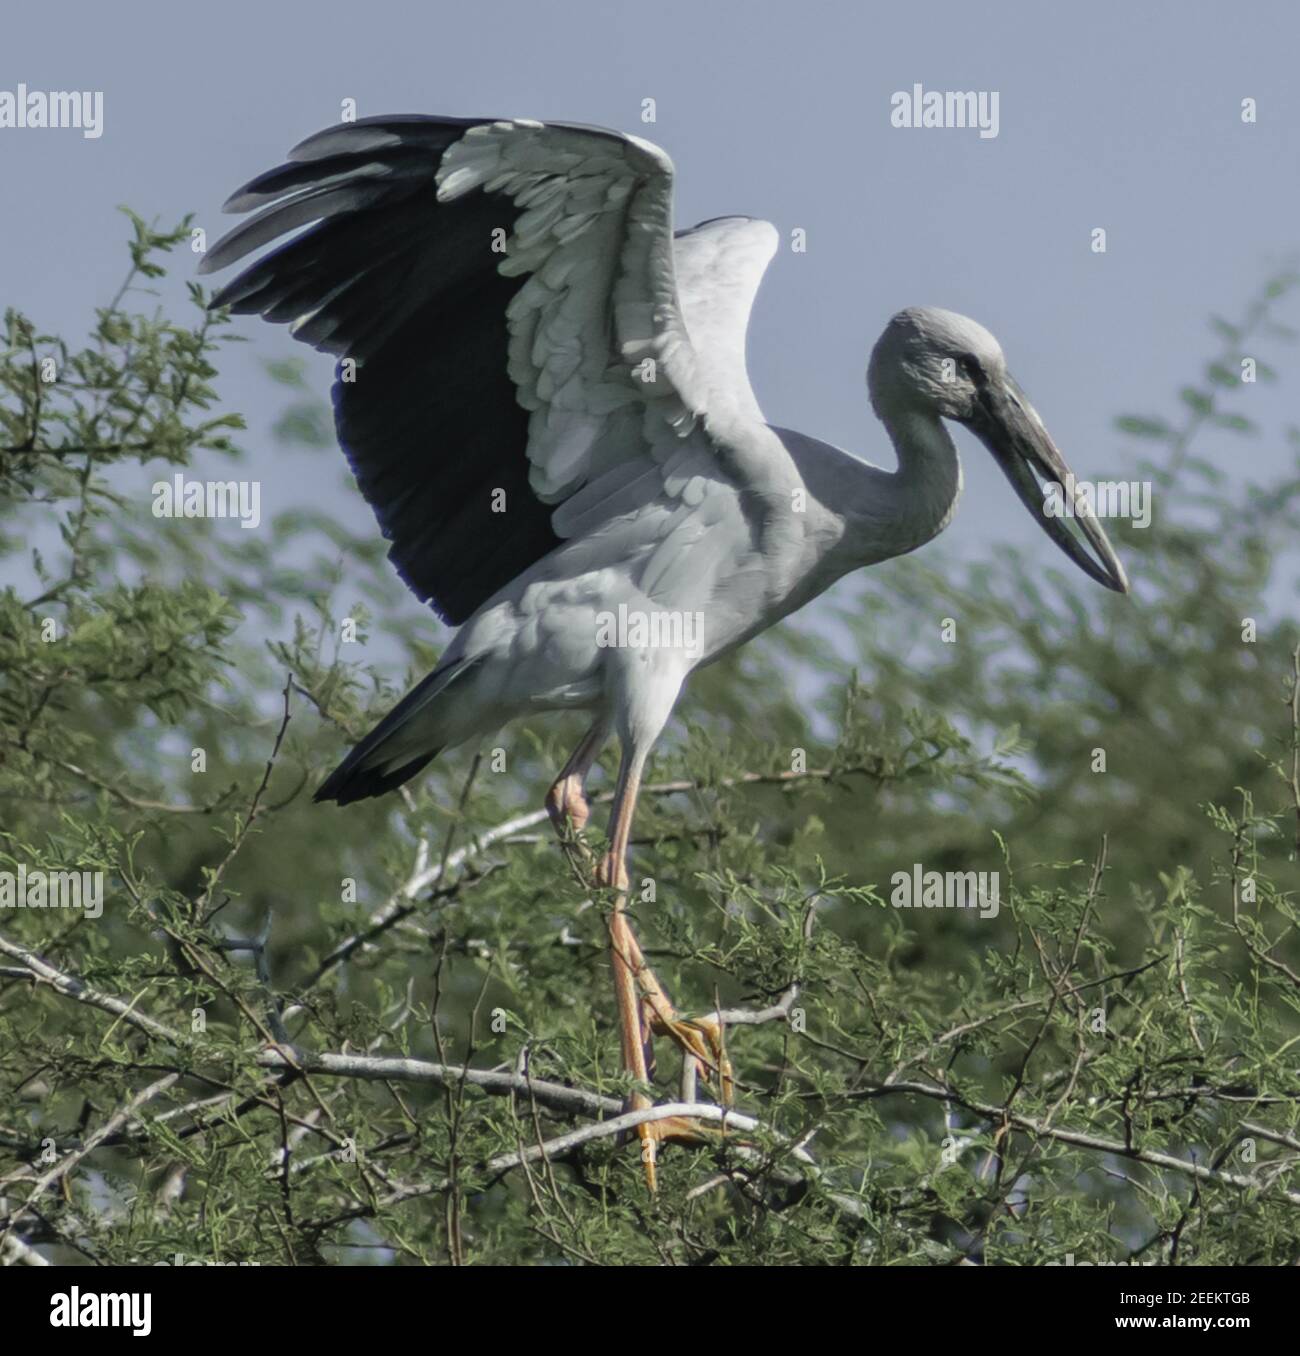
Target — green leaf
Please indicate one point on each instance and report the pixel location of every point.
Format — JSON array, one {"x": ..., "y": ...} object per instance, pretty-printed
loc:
[
  {"x": 1143, "y": 427},
  {"x": 1221, "y": 375},
  {"x": 1237, "y": 422},
  {"x": 287, "y": 372}
]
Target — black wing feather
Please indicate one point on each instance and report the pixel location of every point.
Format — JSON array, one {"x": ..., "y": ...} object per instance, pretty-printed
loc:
[{"x": 409, "y": 288}]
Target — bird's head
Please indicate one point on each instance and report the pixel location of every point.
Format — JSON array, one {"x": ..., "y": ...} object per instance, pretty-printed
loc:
[{"x": 936, "y": 363}]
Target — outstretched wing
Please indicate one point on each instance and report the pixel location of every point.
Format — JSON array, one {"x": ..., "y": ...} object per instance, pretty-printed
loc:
[
  {"x": 719, "y": 265},
  {"x": 508, "y": 294}
]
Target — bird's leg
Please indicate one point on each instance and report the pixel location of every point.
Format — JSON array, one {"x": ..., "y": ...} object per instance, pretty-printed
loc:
[
  {"x": 611, "y": 870},
  {"x": 632, "y": 1034},
  {"x": 643, "y": 1005},
  {"x": 700, "y": 1038},
  {"x": 566, "y": 801}
]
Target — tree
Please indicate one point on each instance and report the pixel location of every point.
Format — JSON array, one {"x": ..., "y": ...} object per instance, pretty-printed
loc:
[{"x": 386, "y": 1034}]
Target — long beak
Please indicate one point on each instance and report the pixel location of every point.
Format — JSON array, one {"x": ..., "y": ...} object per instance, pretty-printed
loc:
[{"x": 1009, "y": 426}]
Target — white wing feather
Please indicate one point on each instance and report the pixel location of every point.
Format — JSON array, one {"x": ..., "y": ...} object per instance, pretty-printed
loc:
[{"x": 614, "y": 352}]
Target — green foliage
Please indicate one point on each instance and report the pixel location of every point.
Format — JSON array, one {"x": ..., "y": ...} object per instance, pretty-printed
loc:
[{"x": 1104, "y": 1067}]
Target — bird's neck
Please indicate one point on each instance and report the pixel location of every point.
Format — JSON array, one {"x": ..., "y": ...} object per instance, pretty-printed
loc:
[{"x": 917, "y": 501}]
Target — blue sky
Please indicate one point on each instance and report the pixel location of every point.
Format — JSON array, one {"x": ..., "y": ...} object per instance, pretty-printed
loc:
[{"x": 1124, "y": 116}]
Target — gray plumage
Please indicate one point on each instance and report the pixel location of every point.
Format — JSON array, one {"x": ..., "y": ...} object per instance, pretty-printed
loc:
[{"x": 529, "y": 334}]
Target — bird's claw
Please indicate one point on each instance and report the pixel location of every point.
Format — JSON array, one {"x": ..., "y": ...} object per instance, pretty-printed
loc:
[
  {"x": 670, "y": 1130},
  {"x": 567, "y": 804},
  {"x": 700, "y": 1039}
]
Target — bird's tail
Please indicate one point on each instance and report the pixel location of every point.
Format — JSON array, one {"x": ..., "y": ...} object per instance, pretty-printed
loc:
[{"x": 402, "y": 744}]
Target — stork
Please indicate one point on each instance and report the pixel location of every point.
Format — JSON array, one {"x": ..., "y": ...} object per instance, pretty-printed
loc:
[{"x": 542, "y": 393}]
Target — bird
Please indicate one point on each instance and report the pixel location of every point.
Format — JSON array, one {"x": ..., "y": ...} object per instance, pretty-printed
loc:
[{"x": 541, "y": 389}]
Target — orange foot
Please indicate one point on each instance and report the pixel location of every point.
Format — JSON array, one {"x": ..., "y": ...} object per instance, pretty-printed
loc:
[
  {"x": 565, "y": 801},
  {"x": 671, "y": 1130}
]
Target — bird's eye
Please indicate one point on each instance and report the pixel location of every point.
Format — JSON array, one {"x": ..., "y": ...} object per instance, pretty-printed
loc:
[{"x": 970, "y": 364}]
